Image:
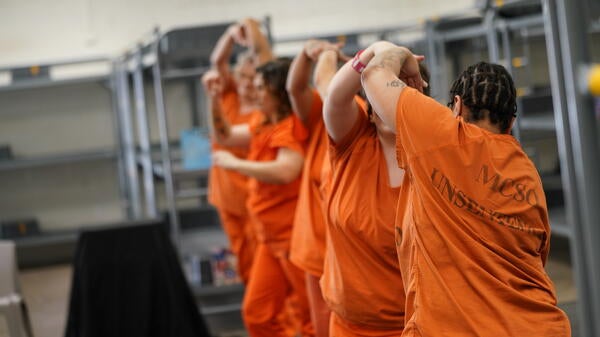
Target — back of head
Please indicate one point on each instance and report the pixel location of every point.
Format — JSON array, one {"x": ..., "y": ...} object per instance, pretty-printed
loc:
[
  {"x": 275, "y": 74},
  {"x": 489, "y": 92}
]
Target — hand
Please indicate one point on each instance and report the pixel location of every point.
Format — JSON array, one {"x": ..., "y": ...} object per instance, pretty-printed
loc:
[
  {"x": 224, "y": 159},
  {"x": 213, "y": 83},
  {"x": 410, "y": 73},
  {"x": 314, "y": 48},
  {"x": 238, "y": 34}
]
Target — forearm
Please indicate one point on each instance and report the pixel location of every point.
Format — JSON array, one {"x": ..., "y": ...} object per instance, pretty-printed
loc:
[
  {"x": 221, "y": 54},
  {"x": 325, "y": 71},
  {"x": 298, "y": 88},
  {"x": 258, "y": 42},
  {"x": 219, "y": 126},
  {"x": 299, "y": 74},
  {"x": 270, "y": 172}
]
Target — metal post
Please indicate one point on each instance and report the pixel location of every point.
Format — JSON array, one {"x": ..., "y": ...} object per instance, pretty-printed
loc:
[
  {"x": 505, "y": 34},
  {"x": 432, "y": 60},
  {"x": 581, "y": 186},
  {"x": 123, "y": 189},
  {"x": 164, "y": 143},
  {"x": 585, "y": 150},
  {"x": 144, "y": 136},
  {"x": 491, "y": 35},
  {"x": 128, "y": 142}
]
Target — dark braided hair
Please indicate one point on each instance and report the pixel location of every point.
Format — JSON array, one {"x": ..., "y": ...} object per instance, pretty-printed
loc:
[
  {"x": 486, "y": 87},
  {"x": 274, "y": 74}
]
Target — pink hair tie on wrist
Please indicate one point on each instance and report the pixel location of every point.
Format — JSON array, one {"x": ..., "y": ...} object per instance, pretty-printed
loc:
[{"x": 356, "y": 64}]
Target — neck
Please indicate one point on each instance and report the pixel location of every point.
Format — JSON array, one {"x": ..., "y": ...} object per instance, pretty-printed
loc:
[
  {"x": 487, "y": 125},
  {"x": 387, "y": 139}
]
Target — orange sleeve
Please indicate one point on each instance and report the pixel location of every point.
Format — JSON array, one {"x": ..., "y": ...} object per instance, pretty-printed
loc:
[
  {"x": 291, "y": 134},
  {"x": 421, "y": 124},
  {"x": 316, "y": 111},
  {"x": 361, "y": 125}
]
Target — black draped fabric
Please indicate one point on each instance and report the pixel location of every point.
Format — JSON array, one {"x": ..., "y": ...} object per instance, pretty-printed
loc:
[{"x": 128, "y": 282}]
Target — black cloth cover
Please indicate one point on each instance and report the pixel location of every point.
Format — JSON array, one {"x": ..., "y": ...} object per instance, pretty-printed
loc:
[{"x": 128, "y": 282}]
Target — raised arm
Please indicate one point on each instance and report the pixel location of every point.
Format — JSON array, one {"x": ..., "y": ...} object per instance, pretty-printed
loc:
[
  {"x": 298, "y": 80},
  {"x": 219, "y": 58},
  {"x": 256, "y": 41},
  {"x": 390, "y": 70},
  {"x": 340, "y": 110},
  {"x": 286, "y": 167},
  {"x": 325, "y": 71},
  {"x": 220, "y": 128}
]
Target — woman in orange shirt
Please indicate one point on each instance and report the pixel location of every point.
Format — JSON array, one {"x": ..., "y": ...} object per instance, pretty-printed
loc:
[
  {"x": 475, "y": 235},
  {"x": 273, "y": 166},
  {"x": 308, "y": 237},
  {"x": 361, "y": 279},
  {"x": 233, "y": 93}
]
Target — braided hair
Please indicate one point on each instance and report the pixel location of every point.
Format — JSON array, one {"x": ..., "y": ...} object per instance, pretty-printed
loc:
[
  {"x": 275, "y": 74},
  {"x": 487, "y": 89}
]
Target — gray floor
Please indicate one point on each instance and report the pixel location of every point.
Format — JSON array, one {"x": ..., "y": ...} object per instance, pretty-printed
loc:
[{"x": 46, "y": 291}]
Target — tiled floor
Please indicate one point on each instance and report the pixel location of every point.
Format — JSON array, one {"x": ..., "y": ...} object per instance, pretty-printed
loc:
[{"x": 46, "y": 291}]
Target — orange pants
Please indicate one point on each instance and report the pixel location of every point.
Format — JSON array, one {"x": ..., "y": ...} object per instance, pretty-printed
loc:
[
  {"x": 338, "y": 327},
  {"x": 319, "y": 311},
  {"x": 241, "y": 240},
  {"x": 272, "y": 280}
]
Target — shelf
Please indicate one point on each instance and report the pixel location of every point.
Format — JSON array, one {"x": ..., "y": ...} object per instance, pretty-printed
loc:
[
  {"x": 221, "y": 309},
  {"x": 179, "y": 173},
  {"x": 184, "y": 73},
  {"x": 204, "y": 291},
  {"x": 192, "y": 193},
  {"x": 537, "y": 122},
  {"x": 51, "y": 83},
  {"x": 558, "y": 222},
  {"x": 536, "y": 109},
  {"x": 41, "y": 161},
  {"x": 65, "y": 72}
]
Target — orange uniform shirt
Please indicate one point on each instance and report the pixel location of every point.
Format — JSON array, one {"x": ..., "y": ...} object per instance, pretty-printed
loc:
[
  {"x": 227, "y": 189},
  {"x": 308, "y": 237},
  {"x": 361, "y": 279},
  {"x": 475, "y": 237},
  {"x": 272, "y": 206}
]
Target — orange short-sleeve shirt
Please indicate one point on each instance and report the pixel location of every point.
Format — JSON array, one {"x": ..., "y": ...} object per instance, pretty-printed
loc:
[
  {"x": 308, "y": 237},
  {"x": 475, "y": 235},
  {"x": 361, "y": 279},
  {"x": 272, "y": 206},
  {"x": 227, "y": 189}
]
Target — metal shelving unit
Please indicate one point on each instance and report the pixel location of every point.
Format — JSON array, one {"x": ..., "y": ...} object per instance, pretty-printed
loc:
[{"x": 64, "y": 73}]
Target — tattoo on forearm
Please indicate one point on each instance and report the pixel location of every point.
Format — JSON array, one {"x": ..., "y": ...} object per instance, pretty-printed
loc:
[{"x": 220, "y": 125}]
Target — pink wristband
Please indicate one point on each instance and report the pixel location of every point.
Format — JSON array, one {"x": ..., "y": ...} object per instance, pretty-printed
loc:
[{"x": 356, "y": 64}]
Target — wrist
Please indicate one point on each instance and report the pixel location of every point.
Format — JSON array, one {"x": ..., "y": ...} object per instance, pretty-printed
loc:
[{"x": 357, "y": 62}]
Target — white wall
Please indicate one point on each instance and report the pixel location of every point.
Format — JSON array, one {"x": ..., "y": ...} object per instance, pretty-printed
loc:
[{"x": 39, "y": 30}]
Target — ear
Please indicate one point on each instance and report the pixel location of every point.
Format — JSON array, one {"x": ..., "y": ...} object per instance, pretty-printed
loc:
[
  {"x": 510, "y": 126},
  {"x": 457, "y": 106}
]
